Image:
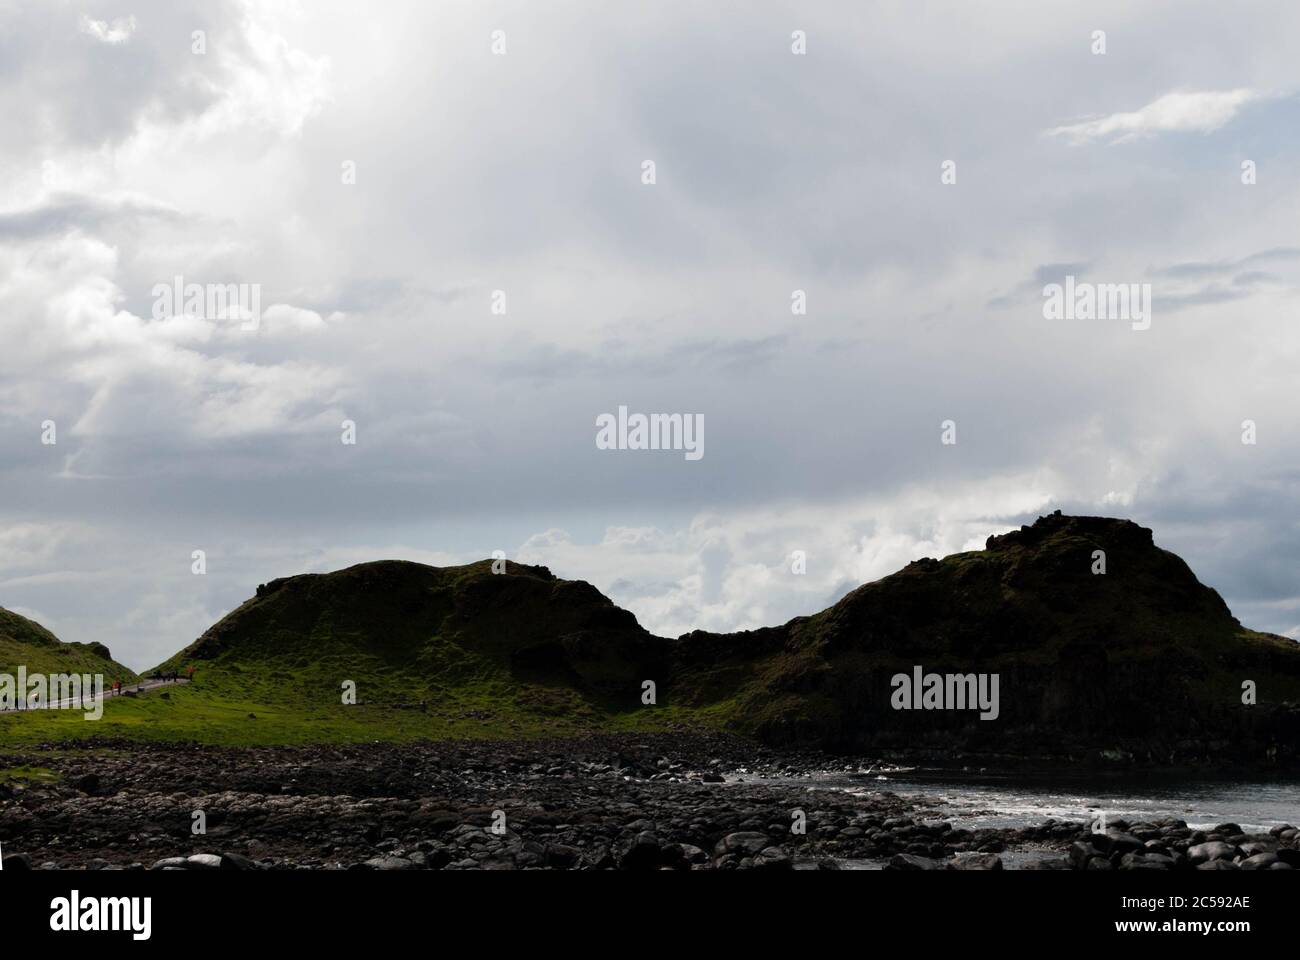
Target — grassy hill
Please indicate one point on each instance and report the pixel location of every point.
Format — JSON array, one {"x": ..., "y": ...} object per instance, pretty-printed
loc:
[
  {"x": 25, "y": 642},
  {"x": 433, "y": 653},
  {"x": 1143, "y": 659}
]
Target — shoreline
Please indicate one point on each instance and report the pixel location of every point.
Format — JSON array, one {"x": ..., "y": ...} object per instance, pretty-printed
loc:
[{"x": 607, "y": 801}]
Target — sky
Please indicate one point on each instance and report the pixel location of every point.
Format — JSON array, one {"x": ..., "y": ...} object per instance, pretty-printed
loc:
[{"x": 444, "y": 210}]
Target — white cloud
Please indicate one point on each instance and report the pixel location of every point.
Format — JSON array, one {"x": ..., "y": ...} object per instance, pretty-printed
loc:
[
  {"x": 732, "y": 570},
  {"x": 114, "y": 34},
  {"x": 1201, "y": 112}
]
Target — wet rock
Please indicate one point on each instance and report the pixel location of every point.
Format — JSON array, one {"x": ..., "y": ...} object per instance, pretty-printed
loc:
[
  {"x": 1288, "y": 855},
  {"x": 1250, "y": 848},
  {"x": 1145, "y": 861},
  {"x": 911, "y": 862},
  {"x": 1211, "y": 850},
  {"x": 1260, "y": 861},
  {"x": 641, "y": 852},
  {"x": 744, "y": 843},
  {"x": 427, "y": 806},
  {"x": 1081, "y": 852},
  {"x": 772, "y": 858},
  {"x": 1117, "y": 841},
  {"x": 562, "y": 856},
  {"x": 976, "y": 861}
]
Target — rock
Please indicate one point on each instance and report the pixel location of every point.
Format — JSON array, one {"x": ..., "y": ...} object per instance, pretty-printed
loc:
[
  {"x": 693, "y": 854},
  {"x": 1081, "y": 852},
  {"x": 236, "y": 861},
  {"x": 976, "y": 861},
  {"x": 1120, "y": 842},
  {"x": 561, "y": 856},
  {"x": 1288, "y": 855},
  {"x": 17, "y": 861},
  {"x": 744, "y": 843},
  {"x": 1211, "y": 850},
  {"x": 203, "y": 861},
  {"x": 392, "y": 863},
  {"x": 910, "y": 861},
  {"x": 1260, "y": 861},
  {"x": 88, "y": 784},
  {"x": 772, "y": 858},
  {"x": 1217, "y": 865},
  {"x": 641, "y": 852},
  {"x": 1147, "y": 861},
  {"x": 169, "y": 863}
]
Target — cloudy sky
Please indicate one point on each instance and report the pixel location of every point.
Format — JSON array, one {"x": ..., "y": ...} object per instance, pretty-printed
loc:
[{"x": 136, "y": 152}]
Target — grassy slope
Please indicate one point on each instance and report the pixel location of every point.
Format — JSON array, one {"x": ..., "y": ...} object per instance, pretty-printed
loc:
[
  {"x": 1019, "y": 607},
  {"x": 222, "y": 709},
  {"x": 270, "y": 672},
  {"x": 25, "y": 642}
]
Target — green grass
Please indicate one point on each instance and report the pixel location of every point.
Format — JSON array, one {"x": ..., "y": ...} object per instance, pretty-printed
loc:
[
  {"x": 26, "y": 643},
  {"x": 272, "y": 671},
  {"x": 227, "y": 707},
  {"x": 28, "y": 776}
]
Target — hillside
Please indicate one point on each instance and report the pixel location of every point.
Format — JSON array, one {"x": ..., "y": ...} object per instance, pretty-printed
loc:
[
  {"x": 1143, "y": 659},
  {"x": 454, "y": 651},
  {"x": 1141, "y": 662},
  {"x": 25, "y": 642}
]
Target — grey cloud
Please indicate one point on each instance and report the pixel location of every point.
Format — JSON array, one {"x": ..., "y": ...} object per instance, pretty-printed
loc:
[
  {"x": 521, "y": 173},
  {"x": 62, "y": 212},
  {"x": 1204, "y": 268}
]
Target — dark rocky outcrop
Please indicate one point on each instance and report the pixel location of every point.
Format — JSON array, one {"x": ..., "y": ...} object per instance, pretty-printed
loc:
[{"x": 1142, "y": 662}]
